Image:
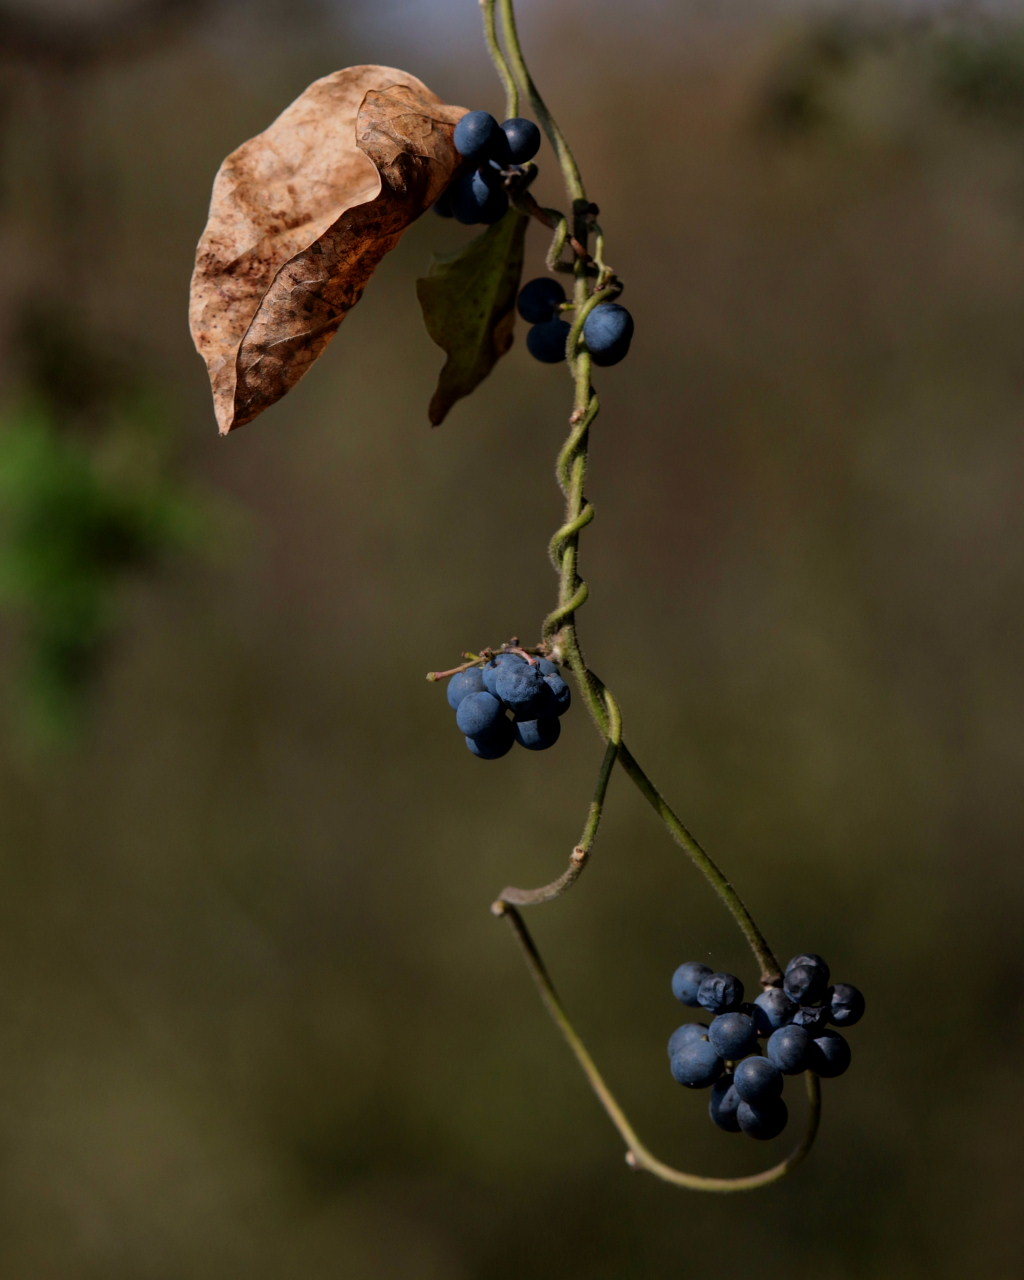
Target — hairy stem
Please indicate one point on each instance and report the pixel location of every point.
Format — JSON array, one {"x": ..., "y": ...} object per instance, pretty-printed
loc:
[{"x": 498, "y": 58}]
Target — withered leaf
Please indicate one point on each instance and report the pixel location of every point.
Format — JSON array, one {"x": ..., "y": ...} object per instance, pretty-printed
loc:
[
  {"x": 468, "y": 301},
  {"x": 299, "y": 219}
]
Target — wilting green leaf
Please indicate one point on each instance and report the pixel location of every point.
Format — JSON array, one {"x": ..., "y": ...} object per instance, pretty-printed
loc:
[{"x": 468, "y": 302}]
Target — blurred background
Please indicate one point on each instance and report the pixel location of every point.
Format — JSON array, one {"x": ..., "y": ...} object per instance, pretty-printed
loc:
[{"x": 256, "y": 1017}]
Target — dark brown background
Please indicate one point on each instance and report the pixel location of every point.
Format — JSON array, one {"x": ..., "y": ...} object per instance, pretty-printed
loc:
[{"x": 255, "y": 1018}]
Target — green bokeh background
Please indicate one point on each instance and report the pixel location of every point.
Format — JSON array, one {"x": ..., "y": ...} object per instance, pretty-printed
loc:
[{"x": 256, "y": 1018}]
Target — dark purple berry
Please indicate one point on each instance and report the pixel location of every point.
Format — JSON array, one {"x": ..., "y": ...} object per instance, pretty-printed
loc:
[
  {"x": 523, "y": 138},
  {"x": 847, "y": 1005},
  {"x": 763, "y": 1121},
  {"x": 720, "y": 992},
  {"x": 733, "y": 1035},
  {"x": 696, "y": 1064},
  {"x": 774, "y": 1010},
  {"x": 723, "y": 1104},
  {"x": 687, "y": 979},
  {"x": 790, "y": 1049},
  {"x": 757, "y": 1080},
  {"x": 831, "y": 1055},
  {"x": 687, "y": 1031}
]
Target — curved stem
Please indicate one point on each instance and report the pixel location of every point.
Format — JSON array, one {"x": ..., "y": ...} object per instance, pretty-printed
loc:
[
  {"x": 566, "y": 159},
  {"x": 637, "y": 1155},
  {"x": 498, "y": 58}
]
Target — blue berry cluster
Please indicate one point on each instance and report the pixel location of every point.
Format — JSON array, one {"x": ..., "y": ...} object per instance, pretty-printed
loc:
[
  {"x": 479, "y": 196},
  {"x": 746, "y": 1082},
  {"x": 607, "y": 330},
  {"x": 511, "y": 699}
]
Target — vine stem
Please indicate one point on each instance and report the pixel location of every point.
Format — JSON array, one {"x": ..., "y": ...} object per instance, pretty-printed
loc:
[
  {"x": 559, "y": 636},
  {"x": 500, "y": 61},
  {"x": 637, "y": 1155}
]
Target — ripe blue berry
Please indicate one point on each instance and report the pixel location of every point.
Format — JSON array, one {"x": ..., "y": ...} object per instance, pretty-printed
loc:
[
  {"x": 478, "y": 137},
  {"x": 847, "y": 1005},
  {"x": 757, "y": 1080},
  {"x": 478, "y": 713},
  {"x": 687, "y": 1031},
  {"x": 809, "y": 958},
  {"x": 561, "y": 692},
  {"x": 831, "y": 1055},
  {"x": 720, "y": 992},
  {"x": 806, "y": 983},
  {"x": 723, "y": 1105},
  {"x": 773, "y": 1010},
  {"x": 764, "y": 1120},
  {"x": 476, "y": 198},
  {"x": 608, "y": 331},
  {"x": 540, "y": 299},
  {"x": 537, "y": 735},
  {"x": 696, "y": 1064},
  {"x": 687, "y": 979},
  {"x": 523, "y": 138},
  {"x": 812, "y": 1018},
  {"x": 463, "y": 683},
  {"x": 492, "y": 668},
  {"x": 549, "y": 668},
  {"x": 733, "y": 1035},
  {"x": 546, "y": 341},
  {"x": 790, "y": 1049},
  {"x": 521, "y": 686},
  {"x": 495, "y": 743}
]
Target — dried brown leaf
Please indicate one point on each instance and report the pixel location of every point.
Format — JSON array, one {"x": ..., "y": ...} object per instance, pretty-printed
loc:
[{"x": 299, "y": 219}]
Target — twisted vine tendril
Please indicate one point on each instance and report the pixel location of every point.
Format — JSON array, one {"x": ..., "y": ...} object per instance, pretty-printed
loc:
[{"x": 593, "y": 283}]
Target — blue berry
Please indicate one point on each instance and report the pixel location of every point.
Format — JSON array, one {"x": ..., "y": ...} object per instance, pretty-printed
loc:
[
  {"x": 492, "y": 668},
  {"x": 847, "y": 1005},
  {"x": 495, "y": 743},
  {"x": 686, "y": 1032},
  {"x": 774, "y": 1009},
  {"x": 757, "y": 1080},
  {"x": 733, "y": 1035},
  {"x": 720, "y": 992},
  {"x": 546, "y": 341},
  {"x": 764, "y": 1120},
  {"x": 561, "y": 692},
  {"x": 478, "y": 137},
  {"x": 537, "y": 735},
  {"x": 476, "y": 199},
  {"x": 463, "y": 683},
  {"x": 723, "y": 1105},
  {"x": 696, "y": 1064},
  {"x": 549, "y": 668},
  {"x": 811, "y": 959},
  {"x": 813, "y": 1018},
  {"x": 608, "y": 331},
  {"x": 478, "y": 713},
  {"x": 540, "y": 299},
  {"x": 790, "y": 1049},
  {"x": 806, "y": 983},
  {"x": 521, "y": 686},
  {"x": 523, "y": 138},
  {"x": 687, "y": 979},
  {"x": 831, "y": 1055}
]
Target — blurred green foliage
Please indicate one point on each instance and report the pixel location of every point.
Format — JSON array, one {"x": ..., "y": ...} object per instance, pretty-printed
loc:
[{"x": 77, "y": 512}]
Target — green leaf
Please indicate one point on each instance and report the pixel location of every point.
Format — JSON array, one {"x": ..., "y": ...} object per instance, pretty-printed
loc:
[{"x": 468, "y": 301}]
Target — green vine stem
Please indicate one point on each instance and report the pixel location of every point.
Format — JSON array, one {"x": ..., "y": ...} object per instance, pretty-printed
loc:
[
  {"x": 561, "y": 640},
  {"x": 637, "y": 1155}
]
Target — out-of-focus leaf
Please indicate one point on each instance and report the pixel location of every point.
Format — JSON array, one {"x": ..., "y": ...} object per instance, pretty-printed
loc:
[
  {"x": 299, "y": 219},
  {"x": 468, "y": 302}
]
